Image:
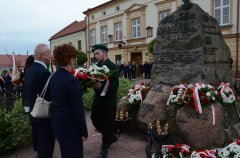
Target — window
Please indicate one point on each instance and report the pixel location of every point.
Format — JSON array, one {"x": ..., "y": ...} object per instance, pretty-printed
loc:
[
  {"x": 104, "y": 13},
  {"x": 118, "y": 31},
  {"x": 79, "y": 45},
  {"x": 93, "y": 37},
  {"x": 110, "y": 40},
  {"x": 164, "y": 14},
  {"x": 92, "y": 17},
  {"x": 70, "y": 43},
  {"x": 104, "y": 34},
  {"x": 149, "y": 31},
  {"x": 222, "y": 11},
  {"x": 118, "y": 59},
  {"x": 117, "y": 8},
  {"x": 136, "y": 27}
]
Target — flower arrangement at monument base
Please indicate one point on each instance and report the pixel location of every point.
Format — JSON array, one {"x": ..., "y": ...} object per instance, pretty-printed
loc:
[
  {"x": 225, "y": 94},
  {"x": 232, "y": 150},
  {"x": 200, "y": 95},
  {"x": 91, "y": 75},
  {"x": 137, "y": 94}
]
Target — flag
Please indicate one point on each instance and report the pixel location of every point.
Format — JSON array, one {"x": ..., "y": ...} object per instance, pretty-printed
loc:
[
  {"x": 15, "y": 72},
  {"x": 51, "y": 67}
]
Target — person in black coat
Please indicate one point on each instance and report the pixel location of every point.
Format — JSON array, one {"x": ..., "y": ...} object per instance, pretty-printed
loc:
[
  {"x": 67, "y": 112},
  {"x": 2, "y": 86},
  {"x": 104, "y": 106},
  {"x": 130, "y": 70},
  {"x": 134, "y": 69},
  {"x": 34, "y": 81},
  {"x": 125, "y": 70}
]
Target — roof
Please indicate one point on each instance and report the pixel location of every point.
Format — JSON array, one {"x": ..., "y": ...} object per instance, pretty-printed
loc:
[
  {"x": 74, "y": 27},
  {"x": 101, "y": 5},
  {"x": 6, "y": 60}
]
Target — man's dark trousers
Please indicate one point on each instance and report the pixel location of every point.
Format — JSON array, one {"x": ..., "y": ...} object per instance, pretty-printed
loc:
[{"x": 103, "y": 120}]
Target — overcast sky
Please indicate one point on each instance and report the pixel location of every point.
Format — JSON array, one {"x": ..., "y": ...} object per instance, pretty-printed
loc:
[{"x": 25, "y": 23}]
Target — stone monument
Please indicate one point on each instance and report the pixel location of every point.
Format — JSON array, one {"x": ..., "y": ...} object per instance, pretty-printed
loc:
[{"x": 189, "y": 47}]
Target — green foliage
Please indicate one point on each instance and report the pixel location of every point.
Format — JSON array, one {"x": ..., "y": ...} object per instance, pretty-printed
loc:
[
  {"x": 81, "y": 58},
  {"x": 124, "y": 86},
  {"x": 151, "y": 45},
  {"x": 15, "y": 128},
  {"x": 88, "y": 99}
]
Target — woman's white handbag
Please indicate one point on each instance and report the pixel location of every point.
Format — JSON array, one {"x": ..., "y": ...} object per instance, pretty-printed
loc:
[{"x": 42, "y": 106}]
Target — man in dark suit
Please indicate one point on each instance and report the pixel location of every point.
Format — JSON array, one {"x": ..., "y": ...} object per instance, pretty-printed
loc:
[
  {"x": 34, "y": 81},
  {"x": 104, "y": 106}
]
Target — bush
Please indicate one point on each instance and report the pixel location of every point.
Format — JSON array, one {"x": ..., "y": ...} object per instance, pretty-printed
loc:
[
  {"x": 15, "y": 128},
  {"x": 124, "y": 86},
  {"x": 88, "y": 99}
]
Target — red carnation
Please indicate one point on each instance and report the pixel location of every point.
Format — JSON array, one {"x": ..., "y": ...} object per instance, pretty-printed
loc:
[
  {"x": 187, "y": 104},
  {"x": 84, "y": 76},
  {"x": 190, "y": 91},
  {"x": 73, "y": 71},
  {"x": 191, "y": 98},
  {"x": 201, "y": 93},
  {"x": 142, "y": 83},
  {"x": 238, "y": 142},
  {"x": 205, "y": 100},
  {"x": 183, "y": 82},
  {"x": 175, "y": 91}
]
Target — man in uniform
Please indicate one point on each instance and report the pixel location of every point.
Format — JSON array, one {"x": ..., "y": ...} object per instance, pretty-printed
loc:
[{"x": 104, "y": 106}]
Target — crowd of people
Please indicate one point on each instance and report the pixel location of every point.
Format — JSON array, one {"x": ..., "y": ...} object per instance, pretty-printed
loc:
[
  {"x": 130, "y": 70},
  {"x": 9, "y": 92}
]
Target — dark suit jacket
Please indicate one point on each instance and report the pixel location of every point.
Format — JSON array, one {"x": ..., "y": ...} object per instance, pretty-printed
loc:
[
  {"x": 67, "y": 112},
  {"x": 34, "y": 81}
]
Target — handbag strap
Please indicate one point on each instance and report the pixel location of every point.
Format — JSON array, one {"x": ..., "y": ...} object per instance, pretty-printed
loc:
[{"x": 42, "y": 95}]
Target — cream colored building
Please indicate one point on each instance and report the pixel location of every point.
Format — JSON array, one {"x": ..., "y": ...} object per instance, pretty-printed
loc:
[
  {"x": 74, "y": 34},
  {"x": 132, "y": 24}
]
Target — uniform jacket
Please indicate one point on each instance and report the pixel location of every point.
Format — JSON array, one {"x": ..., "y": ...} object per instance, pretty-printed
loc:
[{"x": 110, "y": 99}]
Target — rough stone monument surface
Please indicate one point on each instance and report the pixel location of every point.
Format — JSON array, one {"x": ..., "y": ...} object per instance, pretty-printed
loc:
[{"x": 189, "y": 47}]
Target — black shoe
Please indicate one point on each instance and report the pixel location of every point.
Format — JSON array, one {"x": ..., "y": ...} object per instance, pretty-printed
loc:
[
  {"x": 115, "y": 138},
  {"x": 103, "y": 153}
]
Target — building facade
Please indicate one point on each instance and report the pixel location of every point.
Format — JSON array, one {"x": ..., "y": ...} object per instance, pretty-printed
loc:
[
  {"x": 6, "y": 61},
  {"x": 126, "y": 27},
  {"x": 74, "y": 34}
]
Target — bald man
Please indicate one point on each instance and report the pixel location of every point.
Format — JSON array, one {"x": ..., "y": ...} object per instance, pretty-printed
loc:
[{"x": 34, "y": 81}]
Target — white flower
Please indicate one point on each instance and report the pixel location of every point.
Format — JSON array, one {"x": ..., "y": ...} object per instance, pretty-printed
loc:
[
  {"x": 213, "y": 98},
  {"x": 190, "y": 86},
  {"x": 208, "y": 94},
  {"x": 226, "y": 90},
  {"x": 130, "y": 100},
  {"x": 210, "y": 87},
  {"x": 180, "y": 91},
  {"x": 199, "y": 87},
  {"x": 216, "y": 92},
  {"x": 203, "y": 86},
  {"x": 130, "y": 90}
]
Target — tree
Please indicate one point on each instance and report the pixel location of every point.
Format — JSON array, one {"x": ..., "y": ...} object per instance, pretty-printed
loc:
[
  {"x": 151, "y": 45},
  {"x": 81, "y": 58}
]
